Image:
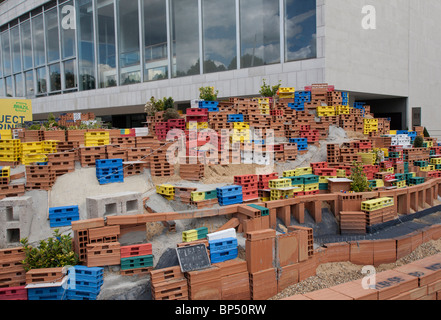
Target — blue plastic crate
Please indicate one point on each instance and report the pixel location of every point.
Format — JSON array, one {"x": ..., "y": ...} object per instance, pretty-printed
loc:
[
  {"x": 223, "y": 244},
  {"x": 225, "y": 201},
  {"x": 63, "y": 210},
  {"x": 235, "y": 118},
  {"x": 228, "y": 191},
  {"x": 111, "y": 179},
  {"x": 80, "y": 295},
  {"x": 85, "y": 273},
  {"x": 260, "y": 142},
  {"x": 66, "y": 221},
  {"x": 48, "y": 293},
  {"x": 108, "y": 163},
  {"x": 222, "y": 256},
  {"x": 85, "y": 286},
  {"x": 206, "y": 104},
  {"x": 295, "y": 180}
]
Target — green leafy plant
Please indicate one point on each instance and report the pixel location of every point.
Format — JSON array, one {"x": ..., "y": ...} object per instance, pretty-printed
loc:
[
  {"x": 153, "y": 105},
  {"x": 57, "y": 251},
  {"x": 269, "y": 91},
  {"x": 208, "y": 93},
  {"x": 418, "y": 142},
  {"x": 360, "y": 182}
]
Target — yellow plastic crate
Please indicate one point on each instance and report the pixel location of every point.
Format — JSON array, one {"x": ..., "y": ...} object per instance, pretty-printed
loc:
[
  {"x": 368, "y": 158},
  {"x": 281, "y": 194},
  {"x": 370, "y": 121},
  {"x": 400, "y": 184},
  {"x": 165, "y": 189},
  {"x": 241, "y": 125},
  {"x": 265, "y": 199},
  {"x": 342, "y": 110},
  {"x": 429, "y": 143},
  {"x": 191, "y": 125},
  {"x": 189, "y": 235},
  {"x": 33, "y": 157},
  {"x": 303, "y": 171},
  {"x": 430, "y": 167},
  {"x": 379, "y": 183},
  {"x": 287, "y": 90},
  {"x": 10, "y": 143},
  {"x": 435, "y": 161},
  {"x": 96, "y": 134},
  {"x": 324, "y": 179},
  {"x": 96, "y": 142},
  {"x": 5, "y": 172},
  {"x": 197, "y": 196},
  {"x": 169, "y": 198},
  {"x": 279, "y": 183},
  {"x": 393, "y": 132},
  {"x": 311, "y": 187},
  {"x": 263, "y": 100},
  {"x": 6, "y": 134},
  {"x": 300, "y": 186},
  {"x": 202, "y": 125},
  {"x": 289, "y": 173}
]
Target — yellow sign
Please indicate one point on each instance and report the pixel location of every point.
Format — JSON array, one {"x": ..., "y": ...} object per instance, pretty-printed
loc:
[{"x": 14, "y": 112}]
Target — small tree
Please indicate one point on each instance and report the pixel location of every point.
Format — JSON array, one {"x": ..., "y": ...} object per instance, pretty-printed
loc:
[
  {"x": 269, "y": 91},
  {"x": 360, "y": 182},
  {"x": 54, "y": 252},
  {"x": 208, "y": 93},
  {"x": 418, "y": 142}
]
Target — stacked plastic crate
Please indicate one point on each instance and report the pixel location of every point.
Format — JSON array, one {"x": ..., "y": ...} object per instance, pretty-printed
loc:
[
  {"x": 63, "y": 216},
  {"x": 84, "y": 283},
  {"x": 302, "y": 143},
  {"x": 249, "y": 184},
  {"x": 211, "y": 106},
  {"x": 109, "y": 170},
  {"x": 229, "y": 195},
  {"x": 223, "y": 249},
  {"x": 136, "y": 259},
  {"x": 281, "y": 189},
  {"x": 194, "y": 234},
  {"x": 5, "y": 175},
  {"x": 32, "y": 152},
  {"x": 10, "y": 150},
  {"x": 96, "y": 138},
  {"x": 166, "y": 190}
]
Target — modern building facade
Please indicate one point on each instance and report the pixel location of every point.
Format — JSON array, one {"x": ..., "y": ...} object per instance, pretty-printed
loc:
[{"x": 110, "y": 56}]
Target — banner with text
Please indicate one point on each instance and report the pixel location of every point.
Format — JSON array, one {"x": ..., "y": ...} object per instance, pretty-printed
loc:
[{"x": 14, "y": 112}]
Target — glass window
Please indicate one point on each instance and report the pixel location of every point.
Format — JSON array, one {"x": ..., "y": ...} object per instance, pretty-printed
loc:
[
  {"x": 29, "y": 83},
  {"x": 38, "y": 35},
  {"x": 6, "y": 51},
  {"x": 19, "y": 91},
  {"x": 129, "y": 49},
  {"x": 185, "y": 37},
  {"x": 26, "y": 43},
  {"x": 9, "y": 88},
  {"x": 106, "y": 44},
  {"x": 260, "y": 32},
  {"x": 219, "y": 35},
  {"x": 55, "y": 77},
  {"x": 86, "y": 59},
  {"x": 53, "y": 49},
  {"x": 155, "y": 38},
  {"x": 2, "y": 87},
  {"x": 16, "y": 52},
  {"x": 41, "y": 81},
  {"x": 67, "y": 18},
  {"x": 70, "y": 74},
  {"x": 300, "y": 29}
]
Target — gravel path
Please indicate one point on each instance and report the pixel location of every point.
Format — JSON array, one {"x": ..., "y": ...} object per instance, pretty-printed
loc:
[{"x": 332, "y": 274}]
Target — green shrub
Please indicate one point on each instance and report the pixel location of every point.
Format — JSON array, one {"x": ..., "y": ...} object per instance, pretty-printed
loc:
[
  {"x": 269, "y": 91},
  {"x": 54, "y": 252},
  {"x": 208, "y": 93},
  {"x": 360, "y": 182},
  {"x": 418, "y": 142}
]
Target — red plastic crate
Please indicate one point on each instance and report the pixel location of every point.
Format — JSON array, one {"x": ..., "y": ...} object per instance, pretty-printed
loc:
[
  {"x": 136, "y": 250},
  {"x": 320, "y": 165},
  {"x": 161, "y": 126},
  {"x": 249, "y": 195},
  {"x": 14, "y": 293},
  {"x": 249, "y": 178},
  {"x": 196, "y": 112},
  {"x": 268, "y": 177}
]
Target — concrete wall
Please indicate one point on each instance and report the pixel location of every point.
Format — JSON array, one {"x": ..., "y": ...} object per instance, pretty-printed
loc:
[
  {"x": 374, "y": 61},
  {"x": 12, "y": 9},
  {"x": 425, "y": 66}
]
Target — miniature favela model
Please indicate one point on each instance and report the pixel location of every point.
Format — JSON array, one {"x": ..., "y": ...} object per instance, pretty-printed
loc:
[{"x": 230, "y": 199}]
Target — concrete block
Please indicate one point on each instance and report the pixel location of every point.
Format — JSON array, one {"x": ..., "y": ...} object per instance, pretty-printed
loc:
[
  {"x": 125, "y": 203},
  {"x": 15, "y": 220}
]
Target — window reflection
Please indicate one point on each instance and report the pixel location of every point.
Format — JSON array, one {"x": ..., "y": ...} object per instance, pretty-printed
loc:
[
  {"x": 38, "y": 41},
  {"x": 16, "y": 52},
  {"x": 219, "y": 35},
  {"x": 6, "y": 53},
  {"x": 70, "y": 74},
  {"x": 41, "y": 81},
  {"x": 19, "y": 92},
  {"x": 106, "y": 44},
  {"x": 55, "y": 77},
  {"x": 67, "y": 31},
  {"x": 300, "y": 29},
  {"x": 260, "y": 32},
  {"x": 29, "y": 83},
  {"x": 185, "y": 38},
  {"x": 86, "y": 46},
  {"x": 26, "y": 43},
  {"x": 155, "y": 40},
  {"x": 129, "y": 49},
  {"x": 9, "y": 88},
  {"x": 53, "y": 50}
]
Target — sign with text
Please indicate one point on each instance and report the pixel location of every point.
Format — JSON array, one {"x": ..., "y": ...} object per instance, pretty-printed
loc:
[{"x": 14, "y": 112}]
